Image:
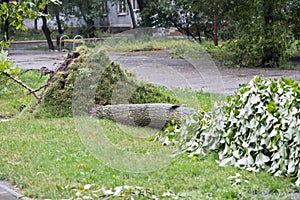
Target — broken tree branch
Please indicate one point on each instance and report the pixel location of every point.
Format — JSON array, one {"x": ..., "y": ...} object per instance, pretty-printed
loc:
[{"x": 30, "y": 90}]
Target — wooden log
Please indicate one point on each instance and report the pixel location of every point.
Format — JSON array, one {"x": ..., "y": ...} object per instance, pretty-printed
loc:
[{"x": 151, "y": 115}]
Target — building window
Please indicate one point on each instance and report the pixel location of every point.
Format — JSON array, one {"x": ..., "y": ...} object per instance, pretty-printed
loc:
[{"x": 121, "y": 7}]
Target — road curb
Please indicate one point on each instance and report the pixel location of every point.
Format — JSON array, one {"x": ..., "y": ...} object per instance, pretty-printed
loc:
[{"x": 7, "y": 193}]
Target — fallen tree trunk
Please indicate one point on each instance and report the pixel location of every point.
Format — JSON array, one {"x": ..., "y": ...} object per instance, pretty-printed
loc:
[{"x": 151, "y": 115}]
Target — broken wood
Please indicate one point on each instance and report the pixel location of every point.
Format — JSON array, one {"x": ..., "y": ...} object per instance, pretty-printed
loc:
[
  {"x": 151, "y": 115},
  {"x": 30, "y": 90}
]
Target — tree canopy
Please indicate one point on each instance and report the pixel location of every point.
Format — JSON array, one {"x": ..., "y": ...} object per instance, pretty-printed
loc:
[
  {"x": 13, "y": 14},
  {"x": 261, "y": 30}
]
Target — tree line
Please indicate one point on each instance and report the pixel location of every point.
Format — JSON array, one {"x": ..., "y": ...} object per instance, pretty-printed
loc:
[{"x": 258, "y": 33}]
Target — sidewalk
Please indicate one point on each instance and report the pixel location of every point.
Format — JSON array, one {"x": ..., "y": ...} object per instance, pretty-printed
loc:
[{"x": 8, "y": 194}]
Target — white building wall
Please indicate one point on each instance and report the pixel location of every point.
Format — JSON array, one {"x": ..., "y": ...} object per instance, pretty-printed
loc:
[{"x": 114, "y": 20}]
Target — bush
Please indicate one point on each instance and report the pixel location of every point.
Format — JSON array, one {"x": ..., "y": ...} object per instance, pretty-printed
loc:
[
  {"x": 57, "y": 100},
  {"x": 257, "y": 128}
]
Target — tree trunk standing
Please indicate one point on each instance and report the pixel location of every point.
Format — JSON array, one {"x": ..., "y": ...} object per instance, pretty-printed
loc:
[
  {"x": 142, "y": 4},
  {"x": 35, "y": 24},
  {"x": 271, "y": 56},
  {"x": 91, "y": 28},
  {"x": 46, "y": 30},
  {"x": 132, "y": 15},
  {"x": 198, "y": 31},
  {"x": 151, "y": 115},
  {"x": 216, "y": 30},
  {"x": 90, "y": 25},
  {"x": 59, "y": 27},
  {"x": 5, "y": 26}
]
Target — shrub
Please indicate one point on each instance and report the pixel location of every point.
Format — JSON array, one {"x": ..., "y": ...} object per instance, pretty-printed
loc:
[{"x": 257, "y": 128}]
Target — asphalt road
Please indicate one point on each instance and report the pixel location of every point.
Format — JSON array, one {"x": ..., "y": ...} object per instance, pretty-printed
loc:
[
  {"x": 8, "y": 194},
  {"x": 157, "y": 67}
]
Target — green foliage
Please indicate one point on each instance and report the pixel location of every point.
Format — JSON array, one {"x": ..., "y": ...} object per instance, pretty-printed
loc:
[
  {"x": 7, "y": 66},
  {"x": 256, "y": 49},
  {"x": 13, "y": 14},
  {"x": 29, "y": 34},
  {"x": 113, "y": 85},
  {"x": 194, "y": 18},
  {"x": 262, "y": 32},
  {"x": 258, "y": 128},
  {"x": 13, "y": 97},
  {"x": 87, "y": 10}
]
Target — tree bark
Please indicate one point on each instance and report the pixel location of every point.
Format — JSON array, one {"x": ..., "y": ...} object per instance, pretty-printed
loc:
[
  {"x": 35, "y": 24},
  {"x": 30, "y": 90},
  {"x": 142, "y": 4},
  {"x": 151, "y": 115},
  {"x": 5, "y": 25},
  {"x": 46, "y": 30},
  {"x": 134, "y": 25},
  {"x": 271, "y": 56},
  {"x": 59, "y": 26},
  {"x": 6, "y": 33}
]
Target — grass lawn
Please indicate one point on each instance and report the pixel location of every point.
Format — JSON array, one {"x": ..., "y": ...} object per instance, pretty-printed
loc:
[
  {"x": 13, "y": 97},
  {"x": 45, "y": 158},
  {"x": 53, "y": 158},
  {"x": 48, "y": 158}
]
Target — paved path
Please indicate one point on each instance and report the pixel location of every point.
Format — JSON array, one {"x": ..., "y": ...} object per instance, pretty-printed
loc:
[
  {"x": 157, "y": 67},
  {"x": 8, "y": 194},
  {"x": 29, "y": 59},
  {"x": 201, "y": 73}
]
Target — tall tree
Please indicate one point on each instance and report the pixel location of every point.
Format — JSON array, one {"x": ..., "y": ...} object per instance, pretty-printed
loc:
[
  {"x": 88, "y": 11},
  {"x": 262, "y": 32},
  {"x": 13, "y": 13},
  {"x": 142, "y": 4},
  {"x": 45, "y": 28},
  {"x": 192, "y": 17},
  {"x": 5, "y": 23},
  {"x": 132, "y": 15}
]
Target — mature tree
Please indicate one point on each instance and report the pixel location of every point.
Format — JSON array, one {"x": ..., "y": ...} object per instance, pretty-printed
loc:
[
  {"x": 14, "y": 12},
  {"x": 262, "y": 31},
  {"x": 43, "y": 6},
  {"x": 55, "y": 11},
  {"x": 12, "y": 15},
  {"x": 4, "y": 21},
  {"x": 142, "y": 4},
  {"x": 193, "y": 17},
  {"x": 293, "y": 11},
  {"x": 132, "y": 15},
  {"x": 88, "y": 11},
  {"x": 45, "y": 28}
]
